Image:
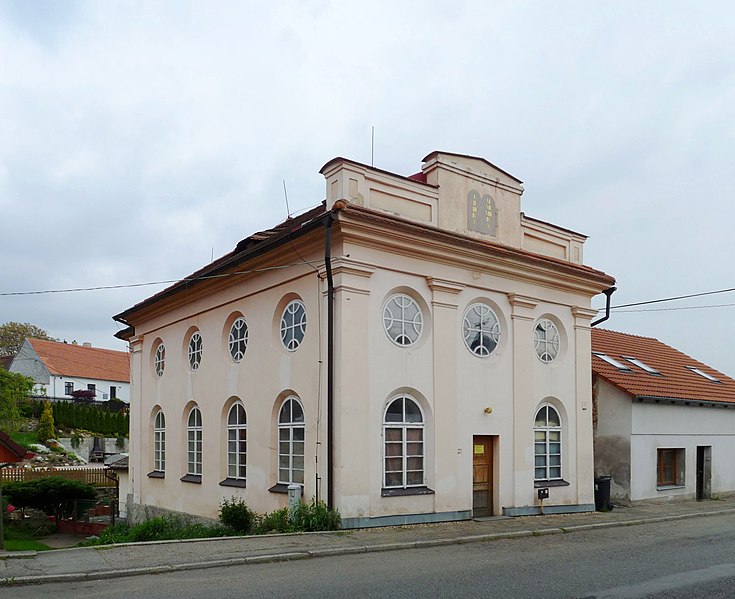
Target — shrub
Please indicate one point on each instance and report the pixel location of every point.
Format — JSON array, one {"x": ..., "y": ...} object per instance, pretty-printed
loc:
[
  {"x": 237, "y": 515},
  {"x": 274, "y": 522},
  {"x": 53, "y": 495},
  {"x": 309, "y": 517},
  {"x": 76, "y": 440},
  {"x": 157, "y": 529},
  {"x": 46, "y": 425}
]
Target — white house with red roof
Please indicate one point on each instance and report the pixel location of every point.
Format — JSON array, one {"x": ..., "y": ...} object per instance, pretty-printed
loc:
[
  {"x": 58, "y": 369},
  {"x": 664, "y": 422}
]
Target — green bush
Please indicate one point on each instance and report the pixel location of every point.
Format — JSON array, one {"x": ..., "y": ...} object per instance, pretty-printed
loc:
[
  {"x": 53, "y": 495},
  {"x": 274, "y": 522},
  {"x": 313, "y": 516},
  {"x": 237, "y": 515},
  {"x": 157, "y": 529}
]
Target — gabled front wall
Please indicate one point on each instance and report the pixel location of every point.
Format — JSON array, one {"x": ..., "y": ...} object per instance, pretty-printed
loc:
[{"x": 613, "y": 437}]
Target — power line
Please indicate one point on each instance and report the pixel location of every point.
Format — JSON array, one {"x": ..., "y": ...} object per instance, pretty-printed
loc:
[
  {"x": 671, "y": 299},
  {"x": 162, "y": 282},
  {"x": 672, "y": 309}
]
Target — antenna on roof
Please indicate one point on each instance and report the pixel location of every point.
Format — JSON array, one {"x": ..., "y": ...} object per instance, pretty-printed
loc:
[
  {"x": 285, "y": 194},
  {"x": 372, "y": 147}
]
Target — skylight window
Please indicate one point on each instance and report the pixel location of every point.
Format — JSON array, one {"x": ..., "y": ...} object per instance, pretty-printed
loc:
[
  {"x": 612, "y": 362},
  {"x": 709, "y": 377},
  {"x": 642, "y": 365}
]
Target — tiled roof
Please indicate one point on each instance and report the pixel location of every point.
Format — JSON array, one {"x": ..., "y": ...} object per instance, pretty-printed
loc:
[
  {"x": 14, "y": 449},
  {"x": 67, "y": 359},
  {"x": 675, "y": 380}
]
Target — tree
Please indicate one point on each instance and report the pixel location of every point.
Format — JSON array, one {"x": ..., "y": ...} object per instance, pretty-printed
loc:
[
  {"x": 14, "y": 388},
  {"x": 46, "y": 429},
  {"x": 12, "y": 335}
]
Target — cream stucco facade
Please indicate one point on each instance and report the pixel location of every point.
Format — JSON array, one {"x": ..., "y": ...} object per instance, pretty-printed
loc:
[{"x": 449, "y": 238}]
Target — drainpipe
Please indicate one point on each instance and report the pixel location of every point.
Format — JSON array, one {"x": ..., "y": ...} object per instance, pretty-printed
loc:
[
  {"x": 330, "y": 358},
  {"x": 608, "y": 293}
]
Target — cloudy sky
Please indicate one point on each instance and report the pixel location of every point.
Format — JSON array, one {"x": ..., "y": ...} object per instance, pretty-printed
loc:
[{"x": 139, "y": 138}]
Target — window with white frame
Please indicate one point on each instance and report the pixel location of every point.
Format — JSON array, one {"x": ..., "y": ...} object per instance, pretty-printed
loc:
[
  {"x": 236, "y": 442},
  {"x": 159, "y": 359},
  {"x": 195, "y": 350},
  {"x": 402, "y": 319},
  {"x": 293, "y": 325},
  {"x": 291, "y": 442},
  {"x": 68, "y": 388},
  {"x": 546, "y": 340},
  {"x": 480, "y": 329},
  {"x": 547, "y": 444},
  {"x": 403, "y": 438},
  {"x": 194, "y": 442},
  {"x": 159, "y": 442},
  {"x": 238, "y": 340}
]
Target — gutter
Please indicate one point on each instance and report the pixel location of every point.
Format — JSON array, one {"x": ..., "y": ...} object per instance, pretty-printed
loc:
[
  {"x": 608, "y": 293},
  {"x": 684, "y": 401}
]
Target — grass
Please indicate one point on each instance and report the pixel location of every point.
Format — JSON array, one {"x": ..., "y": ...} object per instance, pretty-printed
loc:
[
  {"x": 25, "y": 439},
  {"x": 18, "y": 541}
]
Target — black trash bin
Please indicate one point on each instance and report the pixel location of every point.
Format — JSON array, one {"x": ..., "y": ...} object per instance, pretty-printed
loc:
[{"x": 602, "y": 494}]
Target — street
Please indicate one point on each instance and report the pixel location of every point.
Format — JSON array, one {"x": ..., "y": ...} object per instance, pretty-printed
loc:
[{"x": 676, "y": 559}]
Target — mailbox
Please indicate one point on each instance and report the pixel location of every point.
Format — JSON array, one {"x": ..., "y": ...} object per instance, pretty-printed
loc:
[{"x": 543, "y": 493}]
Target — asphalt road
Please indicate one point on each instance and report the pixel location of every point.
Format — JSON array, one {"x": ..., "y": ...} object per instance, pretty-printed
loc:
[{"x": 684, "y": 558}]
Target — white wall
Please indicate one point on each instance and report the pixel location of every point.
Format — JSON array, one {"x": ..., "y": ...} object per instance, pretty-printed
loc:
[{"x": 56, "y": 387}]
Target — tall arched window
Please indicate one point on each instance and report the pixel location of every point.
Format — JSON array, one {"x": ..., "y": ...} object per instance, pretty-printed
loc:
[
  {"x": 291, "y": 442},
  {"x": 547, "y": 444},
  {"x": 236, "y": 442},
  {"x": 159, "y": 442},
  {"x": 194, "y": 442},
  {"x": 403, "y": 435}
]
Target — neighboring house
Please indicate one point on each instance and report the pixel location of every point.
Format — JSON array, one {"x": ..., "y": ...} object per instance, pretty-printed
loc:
[
  {"x": 60, "y": 368},
  {"x": 5, "y": 361},
  {"x": 119, "y": 463},
  {"x": 449, "y": 376},
  {"x": 12, "y": 452},
  {"x": 664, "y": 422}
]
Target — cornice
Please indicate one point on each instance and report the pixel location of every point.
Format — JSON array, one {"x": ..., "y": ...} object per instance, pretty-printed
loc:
[
  {"x": 440, "y": 285},
  {"x": 522, "y": 301}
]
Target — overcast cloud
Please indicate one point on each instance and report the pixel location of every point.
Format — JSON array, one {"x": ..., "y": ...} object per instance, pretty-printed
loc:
[{"x": 136, "y": 138}]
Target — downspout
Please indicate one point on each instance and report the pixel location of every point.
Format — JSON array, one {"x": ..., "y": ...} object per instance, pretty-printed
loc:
[
  {"x": 330, "y": 358},
  {"x": 608, "y": 293}
]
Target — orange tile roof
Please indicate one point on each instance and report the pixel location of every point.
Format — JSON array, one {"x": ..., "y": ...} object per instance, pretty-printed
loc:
[
  {"x": 84, "y": 362},
  {"x": 675, "y": 381}
]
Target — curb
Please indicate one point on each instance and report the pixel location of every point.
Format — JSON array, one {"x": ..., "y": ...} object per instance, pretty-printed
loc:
[{"x": 328, "y": 552}]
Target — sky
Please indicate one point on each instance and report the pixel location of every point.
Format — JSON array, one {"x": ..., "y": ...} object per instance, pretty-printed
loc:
[{"x": 140, "y": 138}]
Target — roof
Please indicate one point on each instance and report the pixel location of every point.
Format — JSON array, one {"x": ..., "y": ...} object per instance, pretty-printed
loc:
[
  {"x": 67, "y": 359},
  {"x": 675, "y": 379},
  {"x": 15, "y": 449},
  {"x": 5, "y": 361}
]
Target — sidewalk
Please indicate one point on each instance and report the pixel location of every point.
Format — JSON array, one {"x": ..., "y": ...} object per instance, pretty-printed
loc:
[{"x": 112, "y": 561}]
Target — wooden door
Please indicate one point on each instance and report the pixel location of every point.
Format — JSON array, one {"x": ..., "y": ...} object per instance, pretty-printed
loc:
[{"x": 482, "y": 476}]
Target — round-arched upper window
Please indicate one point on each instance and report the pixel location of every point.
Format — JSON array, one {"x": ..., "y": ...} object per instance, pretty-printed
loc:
[
  {"x": 293, "y": 325},
  {"x": 238, "y": 339},
  {"x": 402, "y": 319},
  {"x": 195, "y": 351},
  {"x": 481, "y": 330},
  {"x": 159, "y": 359},
  {"x": 546, "y": 340}
]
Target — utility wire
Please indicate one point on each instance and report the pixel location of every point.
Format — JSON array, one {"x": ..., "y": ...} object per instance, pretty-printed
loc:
[{"x": 671, "y": 299}]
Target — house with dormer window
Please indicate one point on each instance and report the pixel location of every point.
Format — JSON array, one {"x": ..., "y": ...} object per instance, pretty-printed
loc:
[
  {"x": 413, "y": 349},
  {"x": 664, "y": 422}
]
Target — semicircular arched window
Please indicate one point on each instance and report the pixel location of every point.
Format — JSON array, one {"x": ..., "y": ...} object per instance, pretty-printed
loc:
[
  {"x": 291, "y": 442},
  {"x": 237, "y": 442},
  {"x": 547, "y": 444},
  {"x": 403, "y": 437},
  {"x": 194, "y": 442}
]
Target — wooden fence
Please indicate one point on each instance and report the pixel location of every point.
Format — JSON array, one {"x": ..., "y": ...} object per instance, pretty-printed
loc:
[{"x": 91, "y": 476}]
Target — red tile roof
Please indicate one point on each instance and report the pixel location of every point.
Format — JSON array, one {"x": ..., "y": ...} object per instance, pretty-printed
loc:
[
  {"x": 84, "y": 362},
  {"x": 10, "y": 451},
  {"x": 675, "y": 380}
]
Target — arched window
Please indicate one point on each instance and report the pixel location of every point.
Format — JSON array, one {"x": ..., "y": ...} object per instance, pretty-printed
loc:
[
  {"x": 159, "y": 359},
  {"x": 159, "y": 442},
  {"x": 291, "y": 442},
  {"x": 293, "y": 325},
  {"x": 480, "y": 329},
  {"x": 403, "y": 435},
  {"x": 238, "y": 340},
  {"x": 402, "y": 319},
  {"x": 236, "y": 442},
  {"x": 194, "y": 442},
  {"x": 547, "y": 444},
  {"x": 546, "y": 340},
  {"x": 195, "y": 351}
]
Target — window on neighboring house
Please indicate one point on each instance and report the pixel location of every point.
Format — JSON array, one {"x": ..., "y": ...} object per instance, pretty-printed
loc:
[
  {"x": 113, "y": 392},
  {"x": 194, "y": 442},
  {"x": 403, "y": 436},
  {"x": 159, "y": 442},
  {"x": 612, "y": 362},
  {"x": 402, "y": 320},
  {"x": 195, "y": 351},
  {"x": 293, "y": 325},
  {"x": 641, "y": 364},
  {"x": 159, "y": 359},
  {"x": 92, "y": 387},
  {"x": 547, "y": 444},
  {"x": 291, "y": 442},
  {"x": 238, "y": 340},
  {"x": 481, "y": 330},
  {"x": 702, "y": 373},
  {"x": 236, "y": 442},
  {"x": 670, "y": 468},
  {"x": 68, "y": 388},
  {"x": 546, "y": 340}
]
